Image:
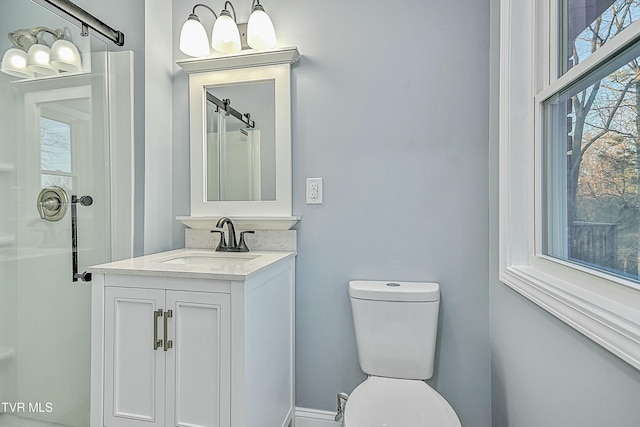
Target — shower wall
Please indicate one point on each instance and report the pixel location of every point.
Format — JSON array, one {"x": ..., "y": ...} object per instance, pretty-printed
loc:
[
  {"x": 44, "y": 316},
  {"x": 18, "y": 18},
  {"x": 8, "y": 239}
]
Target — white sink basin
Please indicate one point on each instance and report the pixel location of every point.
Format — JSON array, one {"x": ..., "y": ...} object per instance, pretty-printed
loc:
[{"x": 210, "y": 259}]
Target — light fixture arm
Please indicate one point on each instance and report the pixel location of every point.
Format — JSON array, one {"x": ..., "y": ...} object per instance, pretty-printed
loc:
[
  {"x": 235, "y": 19},
  {"x": 57, "y": 34},
  {"x": 25, "y": 38},
  {"x": 255, "y": 5},
  {"x": 205, "y": 6}
]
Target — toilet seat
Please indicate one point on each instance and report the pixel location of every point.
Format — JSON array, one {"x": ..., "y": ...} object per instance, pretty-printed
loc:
[{"x": 391, "y": 402}]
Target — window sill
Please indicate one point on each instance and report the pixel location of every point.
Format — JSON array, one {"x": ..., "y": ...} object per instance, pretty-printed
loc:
[{"x": 609, "y": 317}]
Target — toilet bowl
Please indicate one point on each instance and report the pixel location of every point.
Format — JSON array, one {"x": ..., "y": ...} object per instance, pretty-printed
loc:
[
  {"x": 391, "y": 402},
  {"x": 396, "y": 326}
]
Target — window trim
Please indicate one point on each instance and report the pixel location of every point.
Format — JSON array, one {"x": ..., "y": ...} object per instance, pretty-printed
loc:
[{"x": 604, "y": 308}]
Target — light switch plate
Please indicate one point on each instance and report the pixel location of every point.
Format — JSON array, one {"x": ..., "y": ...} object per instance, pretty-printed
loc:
[{"x": 314, "y": 191}]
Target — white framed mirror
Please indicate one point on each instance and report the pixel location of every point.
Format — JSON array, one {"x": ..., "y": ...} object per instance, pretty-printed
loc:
[{"x": 240, "y": 138}]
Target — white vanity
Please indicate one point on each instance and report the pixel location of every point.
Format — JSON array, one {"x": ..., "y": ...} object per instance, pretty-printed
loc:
[{"x": 194, "y": 337}]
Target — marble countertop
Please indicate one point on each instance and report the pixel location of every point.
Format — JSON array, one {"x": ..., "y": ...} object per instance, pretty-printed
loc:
[{"x": 195, "y": 263}]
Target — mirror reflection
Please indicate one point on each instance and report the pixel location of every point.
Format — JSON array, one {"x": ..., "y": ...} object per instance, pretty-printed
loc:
[{"x": 240, "y": 142}]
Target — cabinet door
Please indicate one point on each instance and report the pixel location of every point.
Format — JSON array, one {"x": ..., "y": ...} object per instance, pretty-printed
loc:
[
  {"x": 134, "y": 370},
  {"x": 199, "y": 365}
]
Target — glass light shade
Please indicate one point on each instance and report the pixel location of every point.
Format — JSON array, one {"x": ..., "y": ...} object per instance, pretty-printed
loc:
[
  {"x": 260, "y": 32},
  {"x": 14, "y": 63},
  {"x": 193, "y": 38},
  {"x": 65, "y": 56},
  {"x": 225, "y": 37},
  {"x": 38, "y": 59}
]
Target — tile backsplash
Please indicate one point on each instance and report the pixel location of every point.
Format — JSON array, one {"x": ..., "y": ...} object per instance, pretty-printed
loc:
[{"x": 262, "y": 240}]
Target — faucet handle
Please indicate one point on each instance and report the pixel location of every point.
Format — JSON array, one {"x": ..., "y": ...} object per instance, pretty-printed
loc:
[
  {"x": 242, "y": 245},
  {"x": 223, "y": 243}
]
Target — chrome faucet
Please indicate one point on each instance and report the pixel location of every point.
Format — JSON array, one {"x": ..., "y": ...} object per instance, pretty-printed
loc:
[{"x": 231, "y": 246}]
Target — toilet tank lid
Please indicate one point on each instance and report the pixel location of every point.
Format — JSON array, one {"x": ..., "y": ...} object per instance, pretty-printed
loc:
[{"x": 389, "y": 290}]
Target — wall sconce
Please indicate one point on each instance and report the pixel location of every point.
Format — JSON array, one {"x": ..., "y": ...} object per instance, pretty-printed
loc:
[
  {"x": 225, "y": 36},
  {"x": 28, "y": 56}
]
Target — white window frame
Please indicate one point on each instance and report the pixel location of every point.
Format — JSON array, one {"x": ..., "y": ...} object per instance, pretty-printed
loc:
[{"x": 600, "y": 306}]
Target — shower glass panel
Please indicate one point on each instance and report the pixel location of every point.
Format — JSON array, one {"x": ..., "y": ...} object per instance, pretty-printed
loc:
[
  {"x": 233, "y": 158},
  {"x": 213, "y": 144},
  {"x": 54, "y": 133}
]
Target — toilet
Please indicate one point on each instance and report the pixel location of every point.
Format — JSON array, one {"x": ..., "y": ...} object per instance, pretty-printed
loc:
[{"x": 396, "y": 327}]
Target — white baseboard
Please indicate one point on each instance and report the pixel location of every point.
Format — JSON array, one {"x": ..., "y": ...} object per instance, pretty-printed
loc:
[{"x": 306, "y": 417}]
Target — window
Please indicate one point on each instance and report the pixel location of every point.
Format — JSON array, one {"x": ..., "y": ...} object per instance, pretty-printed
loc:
[
  {"x": 55, "y": 153},
  {"x": 586, "y": 25},
  {"x": 570, "y": 162},
  {"x": 590, "y": 156}
]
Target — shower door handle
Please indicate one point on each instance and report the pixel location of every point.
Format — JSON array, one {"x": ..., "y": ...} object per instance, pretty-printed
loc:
[{"x": 84, "y": 201}]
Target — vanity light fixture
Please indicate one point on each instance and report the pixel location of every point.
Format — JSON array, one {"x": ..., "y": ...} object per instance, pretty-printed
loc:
[
  {"x": 225, "y": 36},
  {"x": 260, "y": 32},
  {"x": 193, "y": 36},
  {"x": 29, "y": 56}
]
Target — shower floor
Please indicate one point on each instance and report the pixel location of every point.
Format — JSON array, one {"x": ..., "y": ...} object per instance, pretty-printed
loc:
[{"x": 8, "y": 420}]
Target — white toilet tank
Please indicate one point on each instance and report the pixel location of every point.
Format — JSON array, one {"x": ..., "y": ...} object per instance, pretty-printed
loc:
[{"x": 396, "y": 326}]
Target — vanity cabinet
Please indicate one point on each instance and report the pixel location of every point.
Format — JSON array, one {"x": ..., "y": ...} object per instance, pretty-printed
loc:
[
  {"x": 167, "y": 355},
  {"x": 182, "y": 348}
]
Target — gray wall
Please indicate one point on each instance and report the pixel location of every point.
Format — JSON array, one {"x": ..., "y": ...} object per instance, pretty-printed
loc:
[
  {"x": 543, "y": 372},
  {"x": 398, "y": 129}
]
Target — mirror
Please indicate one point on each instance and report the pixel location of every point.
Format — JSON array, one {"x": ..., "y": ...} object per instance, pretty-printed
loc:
[
  {"x": 241, "y": 146},
  {"x": 238, "y": 170}
]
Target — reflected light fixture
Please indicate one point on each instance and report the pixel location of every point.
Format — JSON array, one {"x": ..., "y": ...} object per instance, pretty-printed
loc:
[
  {"x": 65, "y": 56},
  {"x": 14, "y": 63},
  {"x": 39, "y": 60},
  {"x": 29, "y": 56},
  {"x": 225, "y": 36}
]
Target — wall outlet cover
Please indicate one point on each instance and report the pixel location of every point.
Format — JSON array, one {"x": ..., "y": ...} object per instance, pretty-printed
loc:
[{"x": 314, "y": 191}]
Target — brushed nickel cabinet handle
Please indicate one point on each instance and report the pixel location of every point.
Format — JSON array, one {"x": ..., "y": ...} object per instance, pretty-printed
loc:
[
  {"x": 167, "y": 342},
  {"x": 156, "y": 342}
]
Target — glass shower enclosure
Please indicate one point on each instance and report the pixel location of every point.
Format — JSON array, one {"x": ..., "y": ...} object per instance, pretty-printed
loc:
[
  {"x": 54, "y": 138},
  {"x": 233, "y": 158}
]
